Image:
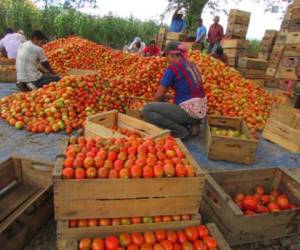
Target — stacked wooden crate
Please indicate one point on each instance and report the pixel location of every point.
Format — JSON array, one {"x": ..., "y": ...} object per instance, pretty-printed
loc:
[
  {"x": 161, "y": 37},
  {"x": 267, "y": 44},
  {"x": 253, "y": 68},
  {"x": 234, "y": 49},
  {"x": 275, "y": 59},
  {"x": 124, "y": 198},
  {"x": 238, "y": 23}
]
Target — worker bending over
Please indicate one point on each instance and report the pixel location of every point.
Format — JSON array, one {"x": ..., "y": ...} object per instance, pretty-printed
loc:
[
  {"x": 33, "y": 69},
  {"x": 190, "y": 103}
]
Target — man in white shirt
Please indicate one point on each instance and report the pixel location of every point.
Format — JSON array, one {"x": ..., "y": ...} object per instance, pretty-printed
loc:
[
  {"x": 11, "y": 42},
  {"x": 30, "y": 56}
]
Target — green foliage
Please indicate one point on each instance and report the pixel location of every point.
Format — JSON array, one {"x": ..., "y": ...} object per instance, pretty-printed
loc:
[
  {"x": 57, "y": 21},
  {"x": 254, "y": 46}
]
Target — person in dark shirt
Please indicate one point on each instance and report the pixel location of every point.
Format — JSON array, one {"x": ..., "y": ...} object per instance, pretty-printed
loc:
[
  {"x": 220, "y": 55},
  {"x": 215, "y": 35},
  {"x": 190, "y": 102}
]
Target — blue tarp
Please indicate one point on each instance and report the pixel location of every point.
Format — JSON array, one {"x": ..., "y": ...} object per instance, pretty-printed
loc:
[{"x": 46, "y": 147}]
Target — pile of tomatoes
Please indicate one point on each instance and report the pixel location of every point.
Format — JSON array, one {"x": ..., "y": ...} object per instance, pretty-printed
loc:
[
  {"x": 125, "y": 158},
  {"x": 192, "y": 237},
  {"x": 121, "y": 75},
  {"x": 61, "y": 105},
  {"x": 261, "y": 202},
  {"x": 127, "y": 221}
]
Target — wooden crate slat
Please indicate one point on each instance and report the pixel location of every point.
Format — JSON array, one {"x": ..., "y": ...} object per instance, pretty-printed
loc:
[
  {"x": 125, "y": 208},
  {"x": 14, "y": 198},
  {"x": 7, "y": 174},
  {"x": 129, "y": 188},
  {"x": 213, "y": 231},
  {"x": 66, "y": 233}
]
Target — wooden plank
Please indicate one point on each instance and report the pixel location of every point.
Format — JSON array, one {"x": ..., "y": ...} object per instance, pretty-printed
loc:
[
  {"x": 14, "y": 198},
  {"x": 58, "y": 168},
  {"x": 66, "y": 233},
  {"x": 128, "y": 188},
  {"x": 214, "y": 232},
  {"x": 7, "y": 173},
  {"x": 36, "y": 174},
  {"x": 252, "y": 63},
  {"x": 125, "y": 208}
]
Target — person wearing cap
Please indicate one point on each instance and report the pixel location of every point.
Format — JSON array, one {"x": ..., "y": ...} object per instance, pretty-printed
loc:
[
  {"x": 30, "y": 56},
  {"x": 178, "y": 24},
  {"x": 190, "y": 102},
  {"x": 137, "y": 46},
  {"x": 152, "y": 49},
  {"x": 200, "y": 33},
  {"x": 215, "y": 35},
  {"x": 11, "y": 42}
]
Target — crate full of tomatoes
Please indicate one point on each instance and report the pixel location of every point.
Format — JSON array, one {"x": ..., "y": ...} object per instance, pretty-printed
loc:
[
  {"x": 253, "y": 205},
  {"x": 206, "y": 237},
  {"x": 126, "y": 177}
]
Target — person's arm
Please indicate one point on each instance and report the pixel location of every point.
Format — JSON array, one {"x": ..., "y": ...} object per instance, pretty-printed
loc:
[
  {"x": 165, "y": 83},
  {"x": 160, "y": 94},
  {"x": 44, "y": 62},
  {"x": 176, "y": 12},
  {"x": 209, "y": 34},
  {"x": 200, "y": 35}
]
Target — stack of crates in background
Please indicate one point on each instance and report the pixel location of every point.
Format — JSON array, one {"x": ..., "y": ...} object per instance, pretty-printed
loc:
[
  {"x": 275, "y": 58},
  {"x": 161, "y": 37},
  {"x": 286, "y": 77},
  {"x": 286, "y": 19},
  {"x": 234, "y": 49},
  {"x": 238, "y": 23},
  {"x": 253, "y": 68},
  {"x": 267, "y": 44},
  {"x": 294, "y": 18}
]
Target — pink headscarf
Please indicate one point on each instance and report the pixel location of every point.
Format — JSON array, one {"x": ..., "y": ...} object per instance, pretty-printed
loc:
[{"x": 181, "y": 50}]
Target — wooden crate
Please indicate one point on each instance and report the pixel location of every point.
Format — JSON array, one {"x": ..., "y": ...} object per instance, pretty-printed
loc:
[
  {"x": 235, "y": 43},
  {"x": 8, "y": 76},
  {"x": 98, "y": 125},
  {"x": 286, "y": 73},
  {"x": 64, "y": 232},
  {"x": 290, "y": 61},
  {"x": 239, "y": 16},
  {"x": 293, "y": 38},
  {"x": 252, "y": 63},
  {"x": 282, "y": 134},
  {"x": 174, "y": 36},
  {"x": 218, "y": 206},
  {"x": 252, "y": 73},
  {"x": 72, "y": 244},
  {"x": 7, "y": 61},
  {"x": 26, "y": 200},
  {"x": 222, "y": 148},
  {"x": 116, "y": 198},
  {"x": 282, "y": 38},
  {"x": 235, "y": 52},
  {"x": 296, "y": 121},
  {"x": 292, "y": 50}
]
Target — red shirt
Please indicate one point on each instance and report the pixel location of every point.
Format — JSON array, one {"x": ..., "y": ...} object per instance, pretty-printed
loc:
[
  {"x": 215, "y": 33},
  {"x": 152, "y": 50}
]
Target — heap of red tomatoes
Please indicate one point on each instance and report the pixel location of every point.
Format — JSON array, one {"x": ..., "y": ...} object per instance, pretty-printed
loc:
[
  {"x": 125, "y": 158},
  {"x": 261, "y": 202},
  {"x": 190, "y": 238},
  {"x": 126, "y": 75}
]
